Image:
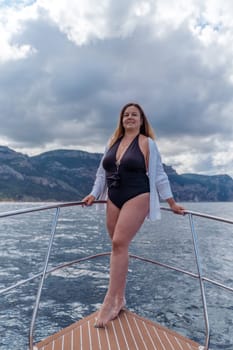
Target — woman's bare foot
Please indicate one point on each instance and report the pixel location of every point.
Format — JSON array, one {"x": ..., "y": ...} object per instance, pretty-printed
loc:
[{"x": 109, "y": 311}]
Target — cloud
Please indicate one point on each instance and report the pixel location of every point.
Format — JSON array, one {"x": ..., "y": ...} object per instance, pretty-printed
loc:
[
  {"x": 12, "y": 20},
  {"x": 66, "y": 69}
]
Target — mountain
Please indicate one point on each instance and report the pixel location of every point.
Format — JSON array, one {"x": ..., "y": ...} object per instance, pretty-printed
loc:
[
  {"x": 60, "y": 175},
  {"x": 68, "y": 175},
  {"x": 200, "y": 188}
]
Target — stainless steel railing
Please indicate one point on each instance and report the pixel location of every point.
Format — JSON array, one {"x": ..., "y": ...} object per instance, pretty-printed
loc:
[{"x": 199, "y": 275}]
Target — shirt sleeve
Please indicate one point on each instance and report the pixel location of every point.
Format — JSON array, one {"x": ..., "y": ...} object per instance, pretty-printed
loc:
[
  {"x": 100, "y": 180},
  {"x": 161, "y": 179}
]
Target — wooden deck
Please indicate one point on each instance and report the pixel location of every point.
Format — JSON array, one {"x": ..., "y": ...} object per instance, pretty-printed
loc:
[{"x": 127, "y": 332}]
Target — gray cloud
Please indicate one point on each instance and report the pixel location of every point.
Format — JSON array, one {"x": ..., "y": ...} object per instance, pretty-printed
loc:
[{"x": 70, "y": 95}]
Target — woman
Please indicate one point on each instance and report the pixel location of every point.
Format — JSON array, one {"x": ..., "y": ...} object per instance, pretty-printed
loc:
[{"x": 132, "y": 173}]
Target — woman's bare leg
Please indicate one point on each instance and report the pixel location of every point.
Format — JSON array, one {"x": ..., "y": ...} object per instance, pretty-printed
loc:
[
  {"x": 112, "y": 216},
  {"x": 130, "y": 219}
]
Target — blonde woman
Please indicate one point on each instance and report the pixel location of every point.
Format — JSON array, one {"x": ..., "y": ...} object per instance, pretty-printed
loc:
[{"x": 131, "y": 177}]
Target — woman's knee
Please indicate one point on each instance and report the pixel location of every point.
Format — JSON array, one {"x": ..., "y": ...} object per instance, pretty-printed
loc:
[{"x": 119, "y": 245}]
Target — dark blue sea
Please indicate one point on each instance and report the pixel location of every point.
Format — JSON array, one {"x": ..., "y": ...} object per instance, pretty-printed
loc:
[{"x": 164, "y": 296}]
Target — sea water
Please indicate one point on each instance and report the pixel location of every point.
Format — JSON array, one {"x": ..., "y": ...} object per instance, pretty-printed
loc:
[{"x": 165, "y": 296}]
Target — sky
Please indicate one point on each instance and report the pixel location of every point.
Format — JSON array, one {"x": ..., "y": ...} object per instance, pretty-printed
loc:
[{"x": 67, "y": 67}]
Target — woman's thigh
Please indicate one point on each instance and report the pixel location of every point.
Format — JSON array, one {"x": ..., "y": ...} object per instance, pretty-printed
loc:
[
  {"x": 111, "y": 218},
  {"x": 130, "y": 218}
]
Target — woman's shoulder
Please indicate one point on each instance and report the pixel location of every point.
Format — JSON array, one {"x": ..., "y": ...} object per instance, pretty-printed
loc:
[
  {"x": 148, "y": 142},
  {"x": 143, "y": 138},
  {"x": 146, "y": 138},
  {"x": 144, "y": 141}
]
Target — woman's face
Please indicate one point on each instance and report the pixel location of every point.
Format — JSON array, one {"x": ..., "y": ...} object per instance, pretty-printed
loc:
[{"x": 131, "y": 118}]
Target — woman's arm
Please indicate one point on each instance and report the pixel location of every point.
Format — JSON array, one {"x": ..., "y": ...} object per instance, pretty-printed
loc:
[
  {"x": 163, "y": 185},
  {"x": 176, "y": 208}
]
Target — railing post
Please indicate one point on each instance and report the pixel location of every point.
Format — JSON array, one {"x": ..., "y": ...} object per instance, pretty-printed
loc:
[
  {"x": 36, "y": 306},
  {"x": 199, "y": 271}
]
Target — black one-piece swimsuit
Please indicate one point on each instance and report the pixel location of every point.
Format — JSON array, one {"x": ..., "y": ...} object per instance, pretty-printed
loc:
[{"x": 129, "y": 178}]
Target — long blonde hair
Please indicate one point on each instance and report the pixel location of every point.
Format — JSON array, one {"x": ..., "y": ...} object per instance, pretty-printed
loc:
[{"x": 145, "y": 129}]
